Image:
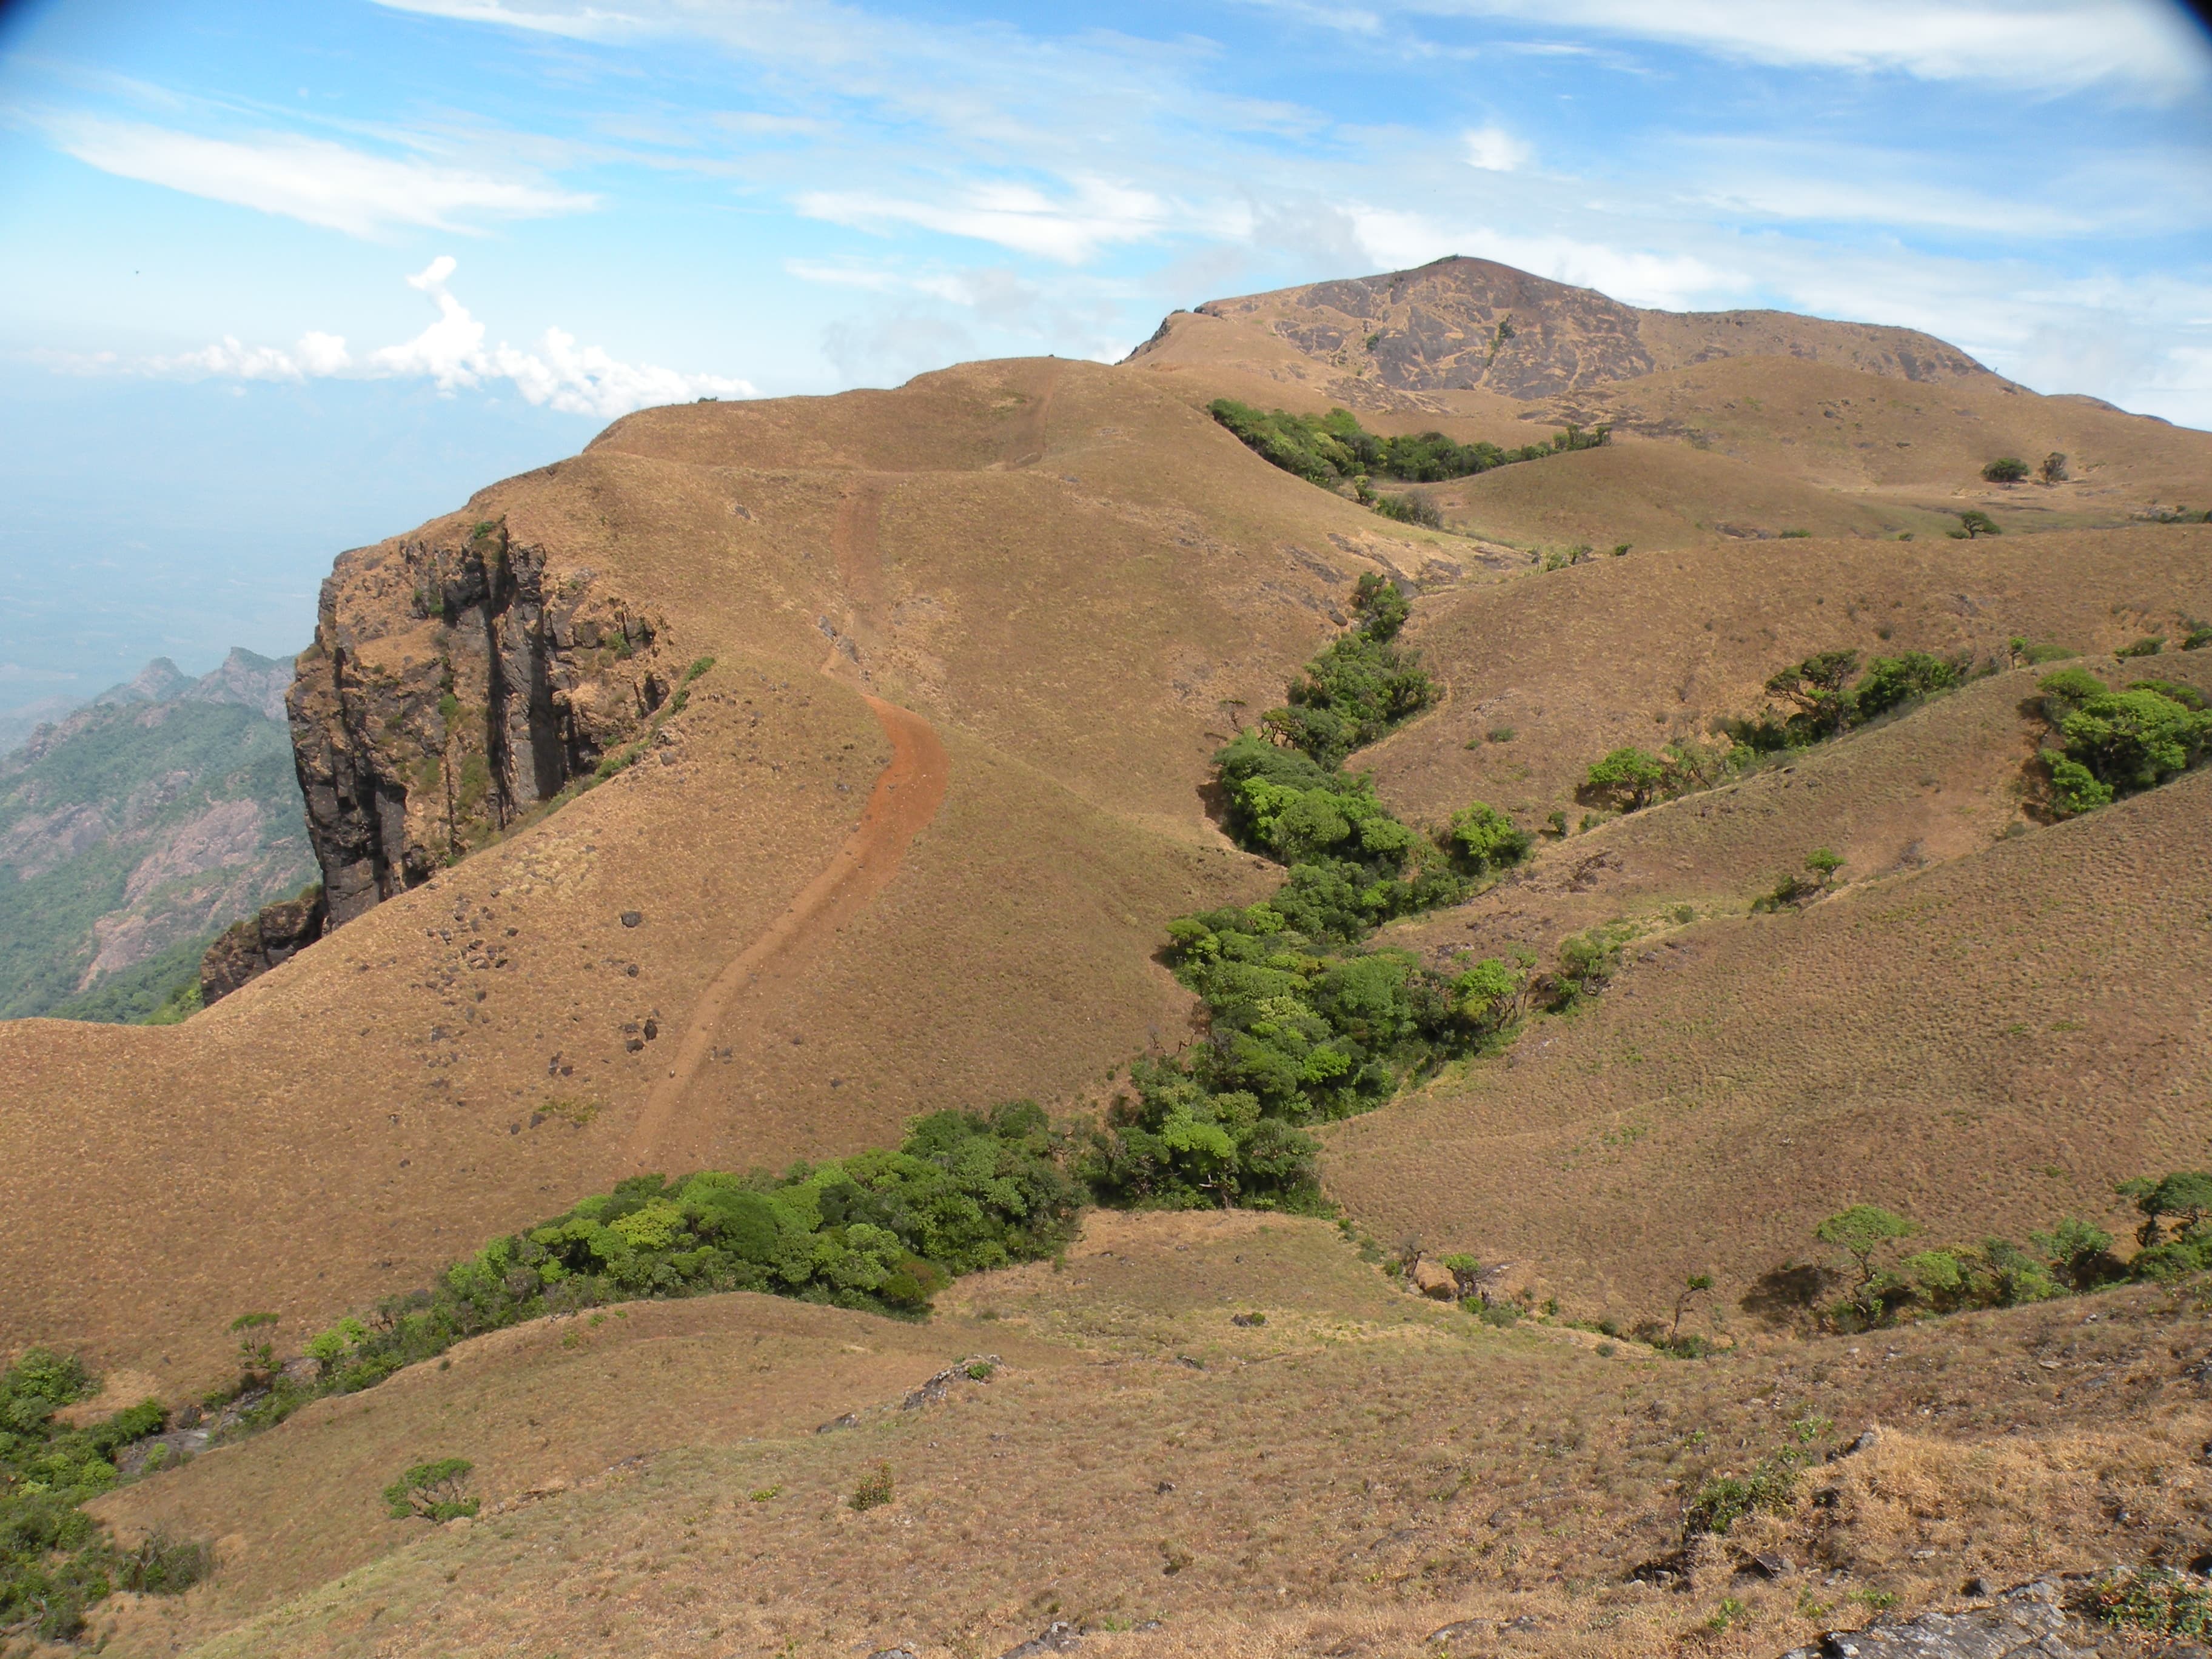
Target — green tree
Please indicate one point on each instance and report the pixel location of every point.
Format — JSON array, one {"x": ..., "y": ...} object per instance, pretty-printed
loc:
[
  {"x": 436, "y": 1491},
  {"x": 1816, "y": 688},
  {"x": 1823, "y": 864},
  {"x": 1694, "y": 1286},
  {"x": 1629, "y": 778},
  {"x": 2135, "y": 739},
  {"x": 1484, "y": 839},
  {"x": 1890, "y": 682},
  {"x": 2184, "y": 1197},
  {"x": 2008, "y": 468},
  {"x": 1974, "y": 522},
  {"x": 1860, "y": 1232},
  {"x": 2054, "y": 468}
]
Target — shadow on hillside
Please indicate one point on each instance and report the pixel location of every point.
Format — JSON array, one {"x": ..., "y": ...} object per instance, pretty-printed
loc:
[{"x": 1781, "y": 1297}]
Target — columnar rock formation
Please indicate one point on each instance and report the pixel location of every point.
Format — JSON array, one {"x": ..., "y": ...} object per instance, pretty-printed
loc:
[{"x": 452, "y": 685}]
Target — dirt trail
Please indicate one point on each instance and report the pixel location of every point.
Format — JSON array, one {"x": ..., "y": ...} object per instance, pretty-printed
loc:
[{"x": 907, "y": 793}]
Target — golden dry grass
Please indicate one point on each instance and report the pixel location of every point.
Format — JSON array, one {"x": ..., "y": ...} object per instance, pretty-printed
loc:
[
  {"x": 1081, "y": 584},
  {"x": 1644, "y": 650},
  {"x": 1357, "y": 1471},
  {"x": 1987, "y": 1045}
]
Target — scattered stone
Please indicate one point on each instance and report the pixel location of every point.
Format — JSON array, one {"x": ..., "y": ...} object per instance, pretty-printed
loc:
[
  {"x": 1980, "y": 1588},
  {"x": 1665, "y": 1571},
  {"x": 2028, "y": 1622},
  {"x": 1059, "y": 1637},
  {"x": 1433, "y": 1278},
  {"x": 631, "y": 918},
  {"x": 1768, "y": 1564},
  {"x": 1866, "y": 1441},
  {"x": 1460, "y": 1628},
  {"x": 1248, "y": 1320},
  {"x": 894, "y": 1653},
  {"x": 1185, "y": 1360},
  {"x": 1165, "y": 1488},
  {"x": 848, "y": 1421}
]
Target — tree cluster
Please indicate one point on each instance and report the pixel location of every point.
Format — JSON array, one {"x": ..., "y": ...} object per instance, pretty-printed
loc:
[
  {"x": 2114, "y": 744},
  {"x": 1333, "y": 450}
]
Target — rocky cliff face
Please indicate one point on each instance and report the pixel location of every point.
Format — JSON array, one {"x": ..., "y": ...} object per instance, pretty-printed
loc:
[
  {"x": 246, "y": 949},
  {"x": 455, "y": 682}
]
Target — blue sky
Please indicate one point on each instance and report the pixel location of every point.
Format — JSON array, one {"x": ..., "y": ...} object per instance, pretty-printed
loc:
[{"x": 280, "y": 279}]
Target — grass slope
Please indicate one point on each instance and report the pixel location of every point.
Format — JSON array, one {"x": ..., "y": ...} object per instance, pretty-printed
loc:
[{"x": 1361, "y": 1468}]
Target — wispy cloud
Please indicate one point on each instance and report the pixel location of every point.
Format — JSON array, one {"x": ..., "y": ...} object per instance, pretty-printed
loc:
[
  {"x": 2043, "y": 45},
  {"x": 1093, "y": 214},
  {"x": 451, "y": 353},
  {"x": 312, "y": 180}
]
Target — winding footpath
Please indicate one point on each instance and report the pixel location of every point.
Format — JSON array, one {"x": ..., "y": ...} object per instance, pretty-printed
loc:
[{"x": 907, "y": 793}]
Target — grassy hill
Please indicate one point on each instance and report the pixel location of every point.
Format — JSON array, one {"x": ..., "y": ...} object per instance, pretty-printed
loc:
[
  {"x": 772, "y": 773},
  {"x": 133, "y": 830}
]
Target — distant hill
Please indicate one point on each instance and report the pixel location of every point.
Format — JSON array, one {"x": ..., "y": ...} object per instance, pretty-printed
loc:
[
  {"x": 1462, "y": 324},
  {"x": 132, "y": 830}
]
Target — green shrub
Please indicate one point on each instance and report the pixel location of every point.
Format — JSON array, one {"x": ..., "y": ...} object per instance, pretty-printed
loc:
[
  {"x": 2009, "y": 469},
  {"x": 1770, "y": 1487},
  {"x": 2196, "y": 636},
  {"x": 1890, "y": 682},
  {"x": 1861, "y": 1232},
  {"x": 2155, "y": 1600},
  {"x": 876, "y": 1489},
  {"x": 1483, "y": 839},
  {"x": 1328, "y": 449},
  {"x": 1410, "y": 509},
  {"x": 2187, "y": 695},
  {"x": 2125, "y": 742},
  {"x": 436, "y": 1491},
  {"x": 2149, "y": 646},
  {"x": 1362, "y": 688},
  {"x": 1814, "y": 689},
  {"x": 56, "y": 1562}
]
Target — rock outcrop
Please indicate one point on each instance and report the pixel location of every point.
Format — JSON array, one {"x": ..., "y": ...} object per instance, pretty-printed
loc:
[
  {"x": 454, "y": 683},
  {"x": 1462, "y": 324},
  {"x": 2030, "y": 1621},
  {"x": 246, "y": 949}
]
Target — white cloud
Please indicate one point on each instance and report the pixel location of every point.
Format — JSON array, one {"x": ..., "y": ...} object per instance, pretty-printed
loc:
[
  {"x": 450, "y": 353},
  {"x": 309, "y": 178},
  {"x": 1399, "y": 240},
  {"x": 577, "y": 23},
  {"x": 2051, "y": 46},
  {"x": 1496, "y": 150},
  {"x": 1095, "y": 213}
]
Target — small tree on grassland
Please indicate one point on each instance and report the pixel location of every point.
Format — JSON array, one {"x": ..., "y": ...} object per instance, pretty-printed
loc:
[
  {"x": 1859, "y": 1233},
  {"x": 1974, "y": 522},
  {"x": 2185, "y": 1195},
  {"x": 2007, "y": 469},
  {"x": 1692, "y": 1287},
  {"x": 436, "y": 1491},
  {"x": 1627, "y": 777},
  {"x": 1816, "y": 687}
]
